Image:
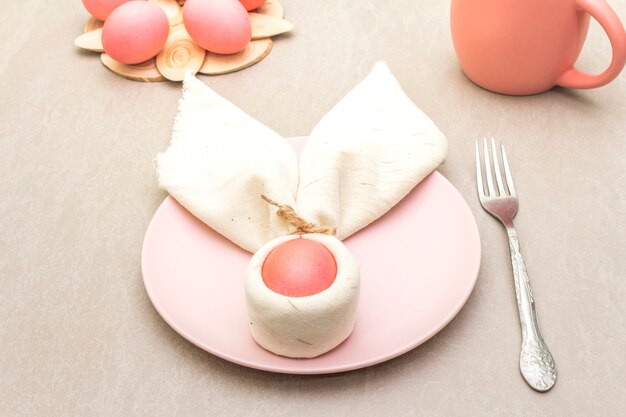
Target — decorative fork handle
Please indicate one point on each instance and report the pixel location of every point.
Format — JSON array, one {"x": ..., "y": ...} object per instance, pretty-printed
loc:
[{"x": 536, "y": 363}]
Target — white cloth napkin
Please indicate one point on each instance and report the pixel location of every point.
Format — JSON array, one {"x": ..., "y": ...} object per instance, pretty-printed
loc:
[{"x": 361, "y": 159}]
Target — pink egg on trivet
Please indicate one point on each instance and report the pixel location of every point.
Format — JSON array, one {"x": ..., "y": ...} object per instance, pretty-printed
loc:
[
  {"x": 299, "y": 268},
  {"x": 101, "y": 9},
  {"x": 252, "y": 4},
  {"x": 219, "y": 26},
  {"x": 135, "y": 32}
]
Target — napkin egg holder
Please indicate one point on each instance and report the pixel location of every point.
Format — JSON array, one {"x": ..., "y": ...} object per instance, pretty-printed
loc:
[{"x": 360, "y": 160}]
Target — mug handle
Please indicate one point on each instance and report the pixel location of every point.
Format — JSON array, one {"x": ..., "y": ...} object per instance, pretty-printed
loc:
[{"x": 602, "y": 12}]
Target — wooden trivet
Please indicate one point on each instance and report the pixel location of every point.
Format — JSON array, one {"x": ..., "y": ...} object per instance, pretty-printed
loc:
[{"x": 181, "y": 54}]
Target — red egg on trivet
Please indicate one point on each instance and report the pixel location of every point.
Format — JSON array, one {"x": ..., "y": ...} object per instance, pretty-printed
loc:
[
  {"x": 101, "y": 9},
  {"x": 135, "y": 32},
  {"x": 252, "y": 4},
  {"x": 219, "y": 26},
  {"x": 299, "y": 268}
]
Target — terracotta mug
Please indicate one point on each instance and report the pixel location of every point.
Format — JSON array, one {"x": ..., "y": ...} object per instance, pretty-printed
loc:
[{"x": 524, "y": 47}]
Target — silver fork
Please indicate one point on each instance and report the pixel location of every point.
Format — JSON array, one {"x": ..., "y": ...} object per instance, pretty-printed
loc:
[{"x": 536, "y": 363}]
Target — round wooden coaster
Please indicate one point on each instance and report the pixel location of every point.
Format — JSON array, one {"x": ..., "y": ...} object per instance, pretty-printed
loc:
[
  {"x": 215, "y": 64},
  {"x": 91, "y": 41},
  {"x": 266, "y": 26},
  {"x": 272, "y": 8},
  {"x": 172, "y": 9},
  {"x": 92, "y": 24},
  {"x": 146, "y": 71},
  {"x": 179, "y": 55}
]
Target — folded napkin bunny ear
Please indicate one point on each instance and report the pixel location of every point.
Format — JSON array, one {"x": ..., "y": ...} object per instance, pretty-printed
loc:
[
  {"x": 362, "y": 158},
  {"x": 221, "y": 161},
  {"x": 366, "y": 154}
]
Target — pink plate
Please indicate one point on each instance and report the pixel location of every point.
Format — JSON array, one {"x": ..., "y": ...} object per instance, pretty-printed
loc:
[{"x": 419, "y": 264}]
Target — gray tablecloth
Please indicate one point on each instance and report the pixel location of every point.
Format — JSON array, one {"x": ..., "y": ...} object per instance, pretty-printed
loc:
[{"x": 78, "y": 335}]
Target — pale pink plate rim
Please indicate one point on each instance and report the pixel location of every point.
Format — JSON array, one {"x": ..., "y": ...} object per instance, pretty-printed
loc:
[{"x": 472, "y": 274}]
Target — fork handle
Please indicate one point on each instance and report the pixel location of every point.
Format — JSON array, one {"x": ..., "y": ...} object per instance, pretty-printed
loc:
[{"x": 536, "y": 363}]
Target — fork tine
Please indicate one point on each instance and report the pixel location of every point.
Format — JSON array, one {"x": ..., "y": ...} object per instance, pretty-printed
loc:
[
  {"x": 490, "y": 188},
  {"x": 479, "y": 176},
  {"x": 496, "y": 168},
  {"x": 507, "y": 172}
]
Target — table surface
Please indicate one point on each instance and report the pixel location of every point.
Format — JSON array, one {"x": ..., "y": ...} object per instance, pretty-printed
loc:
[{"x": 78, "y": 335}]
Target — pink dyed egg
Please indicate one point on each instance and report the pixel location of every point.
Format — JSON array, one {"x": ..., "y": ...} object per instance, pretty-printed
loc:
[
  {"x": 135, "y": 32},
  {"x": 298, "y": 268},
  {"x": 252, "y": 4},
  {"x": 101, "y": 9},
  {"x": 220, "y": 26}
]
